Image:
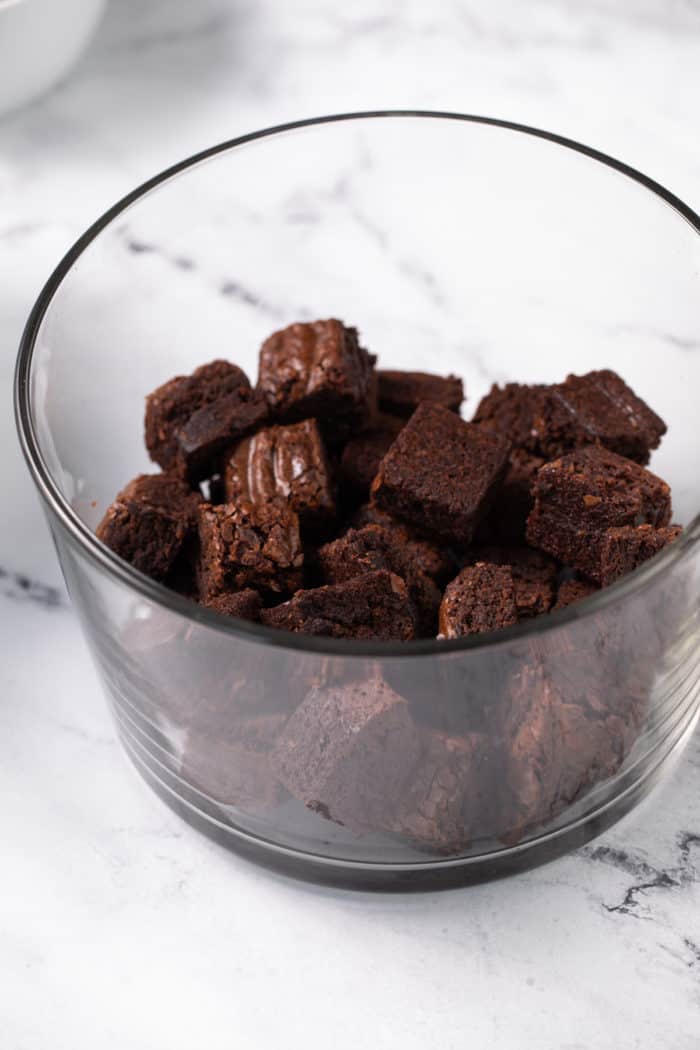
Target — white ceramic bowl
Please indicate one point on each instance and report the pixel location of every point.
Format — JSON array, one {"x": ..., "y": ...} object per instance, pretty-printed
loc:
[{"x": 39, "y": 42}]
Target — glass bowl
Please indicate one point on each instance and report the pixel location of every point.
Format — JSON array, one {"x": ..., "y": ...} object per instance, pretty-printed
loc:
[{"x": 455, "y": 244}]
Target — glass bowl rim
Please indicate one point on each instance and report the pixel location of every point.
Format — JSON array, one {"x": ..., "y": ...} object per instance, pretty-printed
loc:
[{"x": 159, "y": 594}]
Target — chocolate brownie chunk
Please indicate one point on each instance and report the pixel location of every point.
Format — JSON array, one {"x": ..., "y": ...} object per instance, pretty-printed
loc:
[
  {"x": 441, "y": 473},
  {"x": 149, "y": 523},
  {"x": 246, "y": 605},
  {"x": 371, "y": 549},
  {"x": 243, "y": 545},
  {"x": 430, "y": 558},
  {"x": 534, "y": 576},
  {"x": 511, "y": 411},
  {"x": 213, "y": 428},
  {"x": 581, "y": 495},
  {"x": 318, "y": 370},
  {"x": 288, "y": 464},
  {"x": 481, "y": 598},
  {"x": 376, "y": 605},
  {"x": 234, "y": 767},
  {"x": 449, "y": 795},
  {"x": 171, "y": 405},
  {"x": 363, "y": 453},
  {"x": 346, "y": 752},
  {"x": 597, "y": 407},
  {"x": 626, "y": 548},
  {"x": 571, "y": 591},
  {"x": 507, "y": 519},
  {"x": 400, "y": 393},
  {"x": 556, "y": 747}
]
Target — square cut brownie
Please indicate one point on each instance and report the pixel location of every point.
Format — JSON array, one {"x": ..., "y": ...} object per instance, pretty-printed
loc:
[
  {"x": 581, "y": 495},
  {"x": 347, "y": 752},
  {"x": 431, "y": 558},
  {"x": 625, "y": 549},
  {"x": 572, "y": 591},
  {"x": 246, "y": 604},
  {"x": 285, "y": 463},
  {"x": 507, "y": 519},
  {"x": 318, "y": 370},
  {"x": 597, "y": 407},
  {"x": 149, "y": 522},
  {"x": 371, "y": 549},
  {"x": 212, "y": 429},
  {"x": 511, "y": 411},
  {"x": 170, "y": 406},
  {"x": 247, "y": 546},
  {"x": 441, "y": 473},
  {"x": 400, "y": 393},
  {"x": 376, "y": 605},
  {"x": 363, "y": 453},
  {"x": 481, "y": 598},
  {"x": 534, "y": 576}
]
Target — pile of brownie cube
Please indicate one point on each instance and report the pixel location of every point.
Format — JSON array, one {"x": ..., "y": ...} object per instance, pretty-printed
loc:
[{"x": 338, "y": 499}]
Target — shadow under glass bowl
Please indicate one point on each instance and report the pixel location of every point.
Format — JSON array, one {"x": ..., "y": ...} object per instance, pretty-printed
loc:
[{"x": 455, "y": 244}]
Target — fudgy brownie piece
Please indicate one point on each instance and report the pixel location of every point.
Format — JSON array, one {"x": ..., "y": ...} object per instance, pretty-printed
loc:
[
  {"x": 172, "y": 404},
  {"x": 481, "y": 598},
  {"x": 376, "y": 605},
  {"x": 363, "y": 453},
  {"x": 597, "y": 407},
  {"x": 431, "y": 558},
  {"x": 318, "y": 370},
  {"x": 234, "y": 767},
  {"x": 149, "y": 523},
  {"x": 557, "y": 745},
  {"x": 581, "y": 495},
  {"x": 346, "y": 752},
  {"x": 507, "y": 519},
  {"x": 441, "y": 473},
  {"x": 213, "y": 428},
  {"x": 287, "y": 463},
  {"x": 246, "y": 605},
  {"x": 400, "y": 393},
  {"x": 534, "y": 576},
  {"x": 371, "y": 549},
  {"x": 626, "y": 548},
  {"x": 571, "y": 591},
  {"x": 243, "y": 545},
  {"x": 449, "y": 796},
  {"x": 511, "y": 411}
]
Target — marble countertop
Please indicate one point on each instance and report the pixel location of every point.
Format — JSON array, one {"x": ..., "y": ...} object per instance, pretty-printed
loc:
[{"x": 120, "y": 927}]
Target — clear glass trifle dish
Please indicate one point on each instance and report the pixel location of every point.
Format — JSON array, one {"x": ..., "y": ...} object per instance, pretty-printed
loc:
[{"x": 462, "y": 245}]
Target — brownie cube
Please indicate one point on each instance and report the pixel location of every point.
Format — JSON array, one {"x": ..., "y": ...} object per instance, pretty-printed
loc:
[
  {"x": 318, "y": 370},
  {"x": 511, "y": 411},
  {"x": 400, "y": 393},
  {"x": 244, "y": 545},
  {"x": 534, "y": 576},
  {"x": 347, "y": 751},
  {"x": 149, "y": 523},
  {"x": 597, "y": 407},
  {"x": 285, "y": 463},
  {"x": 363, "y": 453},
  {"x": 481, "y": 598},
  {"x": 628, "y": 547},
  {"x": 212, "y": 429},
  {"x": 371, "y": 549},
  {"x": 234, "y": 768},
  {"x": 170, "y": 406},
  {"x": 441, "y": 473},
  {"x": 448, "y": 798},
  {"x": 571, "y": 591},
  {"x": 246, "y": 605},
  {"x": 376, "y": 605},
  {"x": 434, "y": 560},
  {"x": 581, "y": 495}
]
